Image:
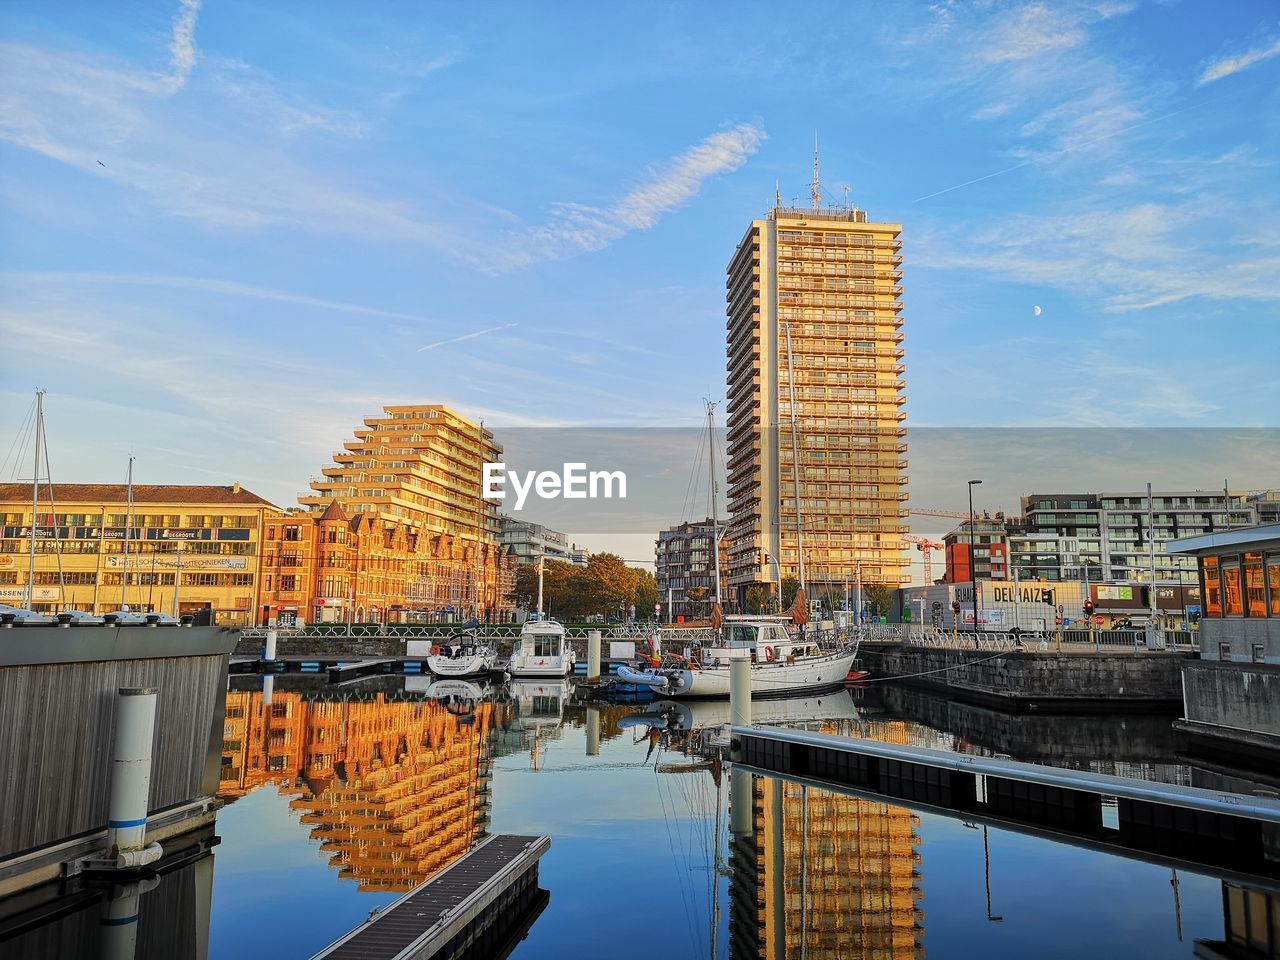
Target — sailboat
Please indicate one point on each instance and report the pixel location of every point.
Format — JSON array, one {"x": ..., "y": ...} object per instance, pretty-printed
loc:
[{"x": 783, "y": 663}]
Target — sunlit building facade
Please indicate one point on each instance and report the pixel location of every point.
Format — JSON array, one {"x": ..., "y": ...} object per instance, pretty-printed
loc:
[
  {"x": 417, "y": 539},
  {"x": 394, "y": 790},
  {"x": 817, "y": 294},
  {"x": 191, "y": 549}
]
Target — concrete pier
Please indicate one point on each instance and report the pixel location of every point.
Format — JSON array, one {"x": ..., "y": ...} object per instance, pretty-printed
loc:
[{"x": 1028, "y": 680}]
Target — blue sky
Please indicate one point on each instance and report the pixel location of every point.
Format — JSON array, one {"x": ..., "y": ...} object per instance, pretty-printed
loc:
[{"x": 231, "y": 229}]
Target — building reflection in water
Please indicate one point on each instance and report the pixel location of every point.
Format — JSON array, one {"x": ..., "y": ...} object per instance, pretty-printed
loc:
[
  {"x": 394, "y": 789},
  {"x": 816, "y": 874},
  {"x": 1251, "y": 926}
]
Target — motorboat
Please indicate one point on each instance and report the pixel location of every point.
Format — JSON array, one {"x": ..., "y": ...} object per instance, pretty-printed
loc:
[
  {"x": 542, "y": 650},
  {"x": 463, "y": 656},
  {"x": 783, "y": 663}
]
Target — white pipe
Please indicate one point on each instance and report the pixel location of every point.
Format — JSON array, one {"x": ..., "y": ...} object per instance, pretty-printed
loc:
[
  {"x": 268, "y": 688},
  {"x": 131, "y": 771},
  {"x": 593, "y": 654},
  {"x": 271, "y": 644}
]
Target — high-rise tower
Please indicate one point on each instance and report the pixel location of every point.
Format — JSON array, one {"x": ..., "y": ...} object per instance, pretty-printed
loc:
[{"x": 831, "y": 280}]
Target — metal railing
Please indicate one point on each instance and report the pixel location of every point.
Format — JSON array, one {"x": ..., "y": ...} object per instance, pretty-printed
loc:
[{"x": 1115, "y": 641}]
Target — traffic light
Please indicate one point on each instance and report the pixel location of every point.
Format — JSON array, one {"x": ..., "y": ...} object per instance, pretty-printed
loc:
[
  {"x": 1047, "y": 596},
  {"x": 955, "y": 606},
  {"x": 1088, "y": 608}
]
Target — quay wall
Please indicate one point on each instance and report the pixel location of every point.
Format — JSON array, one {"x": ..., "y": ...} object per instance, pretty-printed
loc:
[
  {"x": 1032, "y": 679},
  {"x": 57, "y": 724}
]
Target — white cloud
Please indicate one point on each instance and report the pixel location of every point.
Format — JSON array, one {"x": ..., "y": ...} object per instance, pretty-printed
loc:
[
  {"x": 1032, "y": 31},
  {"x": 577, "y": 227},
  {"x": 182, "y": 48},
  {"x": 1226, "y": 66}
]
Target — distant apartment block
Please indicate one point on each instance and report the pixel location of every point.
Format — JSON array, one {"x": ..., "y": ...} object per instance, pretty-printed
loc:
[
  {"x": 1107, "y": 536},
  {"x": 979, "y": 550},
  {"x": 527, "y": 541},
  {"x": 817, "y": 293},
  {"x": 685, "y": 569}
]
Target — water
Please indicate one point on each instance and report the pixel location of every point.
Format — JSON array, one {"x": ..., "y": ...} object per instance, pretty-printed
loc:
[
  {"x": 641, "y": 863},
  {"x": 341, "y": 799}
]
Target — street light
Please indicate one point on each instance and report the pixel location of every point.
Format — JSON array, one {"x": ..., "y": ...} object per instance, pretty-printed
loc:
[{"x": 973, "y": 567}]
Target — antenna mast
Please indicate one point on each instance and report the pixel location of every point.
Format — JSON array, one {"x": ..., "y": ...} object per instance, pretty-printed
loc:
[{"x": 815, "y": 190}]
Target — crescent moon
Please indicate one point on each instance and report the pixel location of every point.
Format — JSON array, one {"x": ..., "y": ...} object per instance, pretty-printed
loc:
[{"x": 1038, "y": 311}]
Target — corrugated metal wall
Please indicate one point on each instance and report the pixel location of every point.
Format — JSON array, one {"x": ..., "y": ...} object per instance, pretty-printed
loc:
[{"x": 56, "y": 727}]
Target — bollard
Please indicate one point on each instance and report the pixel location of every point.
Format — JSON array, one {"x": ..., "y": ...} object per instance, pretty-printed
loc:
[
  {"x": 742, "y": 815},
  {"x": 593, "y": 654},
  {"x": 118, "y": 920},
  {"x": 739, "y": 690},
  {"x": 131, "y": 779},
  {"x": 593, "y": 732},
  {"x": 270, "y": 653}
]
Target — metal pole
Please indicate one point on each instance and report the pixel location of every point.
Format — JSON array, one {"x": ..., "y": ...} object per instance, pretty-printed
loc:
[
  {"x": 35, "y": 502},
  {"x": 973, "y": 566},
  {"x": 795, "y": 465},
  {"x": 177, "y": 578},
  {"x": 593, "y": 654},
  {"x": 128, "y": 529},
  {"x": 541, "y": 563},
  {"x": 711, "y": 492},
  {"x": 1151, "y": 548}
]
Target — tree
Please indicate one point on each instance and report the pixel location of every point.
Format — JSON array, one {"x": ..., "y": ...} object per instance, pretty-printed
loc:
[
  {"x": 555, "y": 579},
  {"x": 646, "y": 595},
  {"x": 755, "y": 599},
  {"x": 696, "y": 594},
  {"x": 789, "y": 587},
  {"x": 879, "y": 598}
]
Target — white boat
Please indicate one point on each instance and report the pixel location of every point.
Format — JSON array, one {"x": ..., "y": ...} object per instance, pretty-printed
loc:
[
  {"x": 836, "y": 707},
  {"x": 782, "y": 663},
  {"x": 539, "y": 702},
  {"x": 463, "y": 656},
  {"x": 542, "y": 651}
]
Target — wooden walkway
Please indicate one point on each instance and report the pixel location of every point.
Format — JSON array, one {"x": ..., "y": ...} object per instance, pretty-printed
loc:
[{"x": 458, "y": 905}]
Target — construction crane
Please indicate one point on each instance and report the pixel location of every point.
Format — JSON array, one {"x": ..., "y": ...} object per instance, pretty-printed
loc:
[
  {"x": 925, "y": 546},
  {"x": 961, "y": 515}
]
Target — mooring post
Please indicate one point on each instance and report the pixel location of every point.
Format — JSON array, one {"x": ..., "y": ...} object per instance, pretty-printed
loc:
[
  {"x": 131, "y": 779},
  {"x": 593, "y": 654},
  {"x": 270, "y": 653},
  {"x": 268, "y": 688}
]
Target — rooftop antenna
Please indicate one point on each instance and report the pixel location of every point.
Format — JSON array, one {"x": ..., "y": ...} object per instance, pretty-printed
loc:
[
  {"x": 777, "y": 193},
  {"x": 846, "y": 196},
  {"x": 816, "y": 190}
]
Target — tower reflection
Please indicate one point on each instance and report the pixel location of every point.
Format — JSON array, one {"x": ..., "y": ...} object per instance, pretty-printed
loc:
[
  {"x": 394, "y": 789},
  {"x": 823, "y": 876}
]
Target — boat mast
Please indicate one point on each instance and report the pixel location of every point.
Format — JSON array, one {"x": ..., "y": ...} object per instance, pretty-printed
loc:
[
  {"x": 795, "y": 462},
  {"x": 541, "y": 558},
  {"x": 128, "y": 528},
  {"x": 35, "y": 502},
  {"x": 711, "y": 491}
]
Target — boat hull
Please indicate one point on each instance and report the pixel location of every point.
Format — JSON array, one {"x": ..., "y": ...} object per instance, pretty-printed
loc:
[
  {"x": 809, "y": 675},
  {"x": 521, "y": 666},
  {"x": 474, "y": 666}
]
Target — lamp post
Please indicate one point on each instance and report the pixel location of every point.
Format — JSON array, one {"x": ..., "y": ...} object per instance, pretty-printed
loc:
[{"x": 973, "y": 567}]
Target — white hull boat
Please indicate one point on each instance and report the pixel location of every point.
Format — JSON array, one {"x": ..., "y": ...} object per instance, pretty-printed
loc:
[
  {"x": 543, "y": 650},
  {"x": 781, "y": 664},
  {"x": 462, "y": 660}
]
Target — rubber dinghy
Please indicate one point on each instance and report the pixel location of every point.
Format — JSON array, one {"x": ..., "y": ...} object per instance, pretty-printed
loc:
[{"x": 642, "y": 678}]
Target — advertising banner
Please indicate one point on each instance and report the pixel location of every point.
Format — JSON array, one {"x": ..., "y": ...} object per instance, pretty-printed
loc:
[{"x": 142, "y": 563}]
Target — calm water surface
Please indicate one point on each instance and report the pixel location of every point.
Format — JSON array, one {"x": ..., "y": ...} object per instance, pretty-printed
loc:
[{"x": 340, "y": 800}]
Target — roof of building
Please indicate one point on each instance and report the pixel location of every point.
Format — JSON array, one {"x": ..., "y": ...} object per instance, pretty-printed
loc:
[
  {"x": 334, "y": 511},
  {"x": 1256, "y": 536},
  {"x": 66, "y": 493}
]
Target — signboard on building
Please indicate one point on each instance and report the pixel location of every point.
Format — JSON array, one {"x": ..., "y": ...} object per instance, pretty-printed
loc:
[
  {"x": 11, "y": 595},
  {"x": 1113, "y": 592},
  {"x": 144, "y": 562},
  {"x": 118, "y": 533}
]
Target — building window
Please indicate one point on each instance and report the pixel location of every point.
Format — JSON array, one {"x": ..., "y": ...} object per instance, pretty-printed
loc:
[
  {"x": 1259, "y": 653},
  {"x": 1255, "y": 593},
  {"x": 1232, "y": 596},
  {"x": 1273, "y": 584},
  {"x": 1212, "y": 588},
  {"x": 1224, "y": 651}
]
